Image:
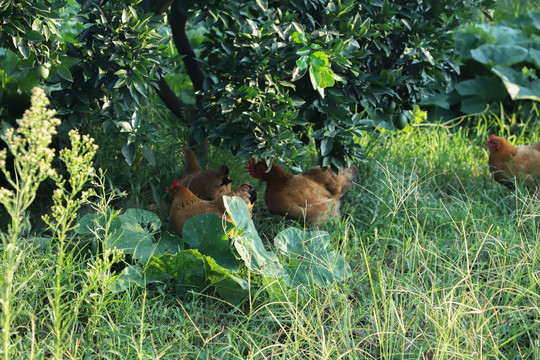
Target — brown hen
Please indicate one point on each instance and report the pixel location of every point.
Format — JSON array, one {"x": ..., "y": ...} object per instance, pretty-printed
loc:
[
  {"x": 314, "y": 195},
  {"x": 508, "y": 162},
  {"x": 186, "y": 204},
  {"x": 206, "y": 184}
]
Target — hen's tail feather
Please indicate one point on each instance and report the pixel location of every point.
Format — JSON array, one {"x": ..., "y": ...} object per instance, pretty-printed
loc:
[
  {"x": 252, "y": 194},
  {"x": 226, "y": 180},
  {"x": 191, "y": 164},
  {"x": 245, "y": 191}
]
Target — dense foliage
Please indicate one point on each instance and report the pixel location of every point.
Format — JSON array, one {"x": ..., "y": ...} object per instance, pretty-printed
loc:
[
  {"x": 275, "y": 76},
  {"x": 500, "y": 64},
  {"x": 280, "y": 73}
]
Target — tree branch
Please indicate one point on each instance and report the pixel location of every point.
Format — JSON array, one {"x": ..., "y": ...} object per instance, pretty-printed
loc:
[
  {"x": 169, "y": 98},
  {"x": 178, "y": 22}
]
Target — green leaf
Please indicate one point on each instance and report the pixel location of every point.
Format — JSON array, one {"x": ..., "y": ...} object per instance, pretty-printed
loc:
[
  {"x": 535, "y": 16},
  {"x": 486, "y": 88},
  {"x": 499, "y": 54},
  {"x": 140, "y": 220},
  {"x": 438, "y": 98},
  {"x": 298, "y": 73},
  {"x": 247, "y": 242},
  {"x": 230, "y": 287},
  {"x": 128, "y": 150},
  {"x": 133, "y": 233},
  {"x": 149, "y": 154},
  {"x": 33, "y": 35},
  {"x": 135, "y": 275},
  {"x": 299, "y": 38},
  {"x": 535, "y": 55},
  {"x": 302, "y": 62},
  {"x": 64, "y": 73},
  {"x": 311, "y": 260},
  {"x": 326, "y": 146},
  {"x": 263, "y": 4},
  {"x": 319, "y": 59},
  {"x": 208, "y": 233},
  {"x": 147, "y": 248},
  {"x": 316, "y": 77},
  {"x": 517, "y": 85},
  {"x": 504, "y": 35},
  {"x": 23, "y": 48},
  {"x": 187, "y": 267}
]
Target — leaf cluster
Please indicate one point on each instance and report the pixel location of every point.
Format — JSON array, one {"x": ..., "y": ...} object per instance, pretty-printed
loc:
[
  {"x": 30, "y": 28},
  {"x": 501, "y": 64},
  {"x": 280, "y": 74},
  {"x": 112, "y": 68},
  {"x": 206, "y": 257}
]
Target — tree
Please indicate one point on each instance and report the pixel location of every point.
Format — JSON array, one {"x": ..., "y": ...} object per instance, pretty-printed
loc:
[{"x": 270, "y": 76}]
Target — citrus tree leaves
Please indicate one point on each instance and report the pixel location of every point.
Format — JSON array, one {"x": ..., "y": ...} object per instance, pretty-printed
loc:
[{"x": 320, "y": 63}]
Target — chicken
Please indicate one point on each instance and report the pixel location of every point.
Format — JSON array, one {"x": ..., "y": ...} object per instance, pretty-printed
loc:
[
  {"x": 186, "y": 204},
  {"x": 206, "y": 184},
  {"x": 314, "y": 195},
  {"x": 507, "y": 162}
]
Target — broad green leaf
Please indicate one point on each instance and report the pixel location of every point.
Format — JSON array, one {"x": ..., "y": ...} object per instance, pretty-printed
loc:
[
  {"x": 64, "y": 73},
  {"x": 208, "y": 234},
  {"x": 486, "y": 88},
  {"x": 439, "y": 99},
  {"x": 167, "y": 244},
  {"x": 127, "y": 240},
  {"x": 247, "y": 242},
  {"x": 187, "y": 267},
  {"x": 499, "y": 54},
  {"x": 535, "y": 16},
  {"x": 128, "y": 150},
  {"x": 535, "y": 55},
  {"x": 230, "y": 287},
  {"x": 132, "y": 232},
  {"x": 311, "y": 258},
  {"x": 135, "y": 275},
  {"x": 517, "y": 85},
  {"x": 135, "y": 219},
  {"x": 504, "y": 35},
  {"x": 473, "y": 105}
]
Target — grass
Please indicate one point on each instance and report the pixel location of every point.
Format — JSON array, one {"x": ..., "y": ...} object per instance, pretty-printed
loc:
[{"x": 445, "y": 266}]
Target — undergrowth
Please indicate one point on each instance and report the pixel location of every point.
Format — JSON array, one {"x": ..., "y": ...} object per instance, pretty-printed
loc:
[{"x": 445, "y": 264}]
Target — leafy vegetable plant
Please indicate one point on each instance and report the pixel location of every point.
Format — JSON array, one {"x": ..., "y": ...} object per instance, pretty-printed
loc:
[
  {"x": 501, "y": 63},
  {"x": 230, "y": 264}
]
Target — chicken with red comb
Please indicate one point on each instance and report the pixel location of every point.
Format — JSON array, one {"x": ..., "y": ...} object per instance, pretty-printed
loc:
[
  {"x": 313, "y": 195},
  {"x": 186, "y": 204},
  {"x": 508, "y": 163}
]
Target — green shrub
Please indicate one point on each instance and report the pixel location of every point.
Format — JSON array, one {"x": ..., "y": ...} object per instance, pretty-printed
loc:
[{"x": 282, "y": 72}]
